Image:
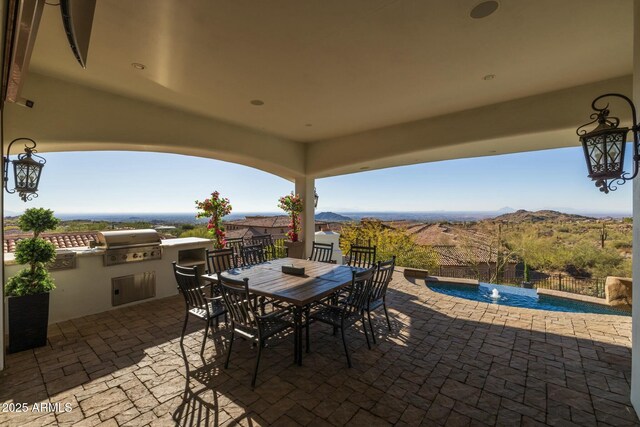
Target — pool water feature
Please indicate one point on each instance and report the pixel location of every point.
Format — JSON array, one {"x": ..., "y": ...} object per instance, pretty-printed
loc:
[{"x": 519, "y": 297}]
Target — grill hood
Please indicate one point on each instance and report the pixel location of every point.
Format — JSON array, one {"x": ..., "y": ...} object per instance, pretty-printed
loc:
[{"x": 128, "y": 238}]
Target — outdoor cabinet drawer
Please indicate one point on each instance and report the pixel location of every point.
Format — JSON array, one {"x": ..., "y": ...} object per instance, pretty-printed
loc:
[{"x": 134, "y": 287}]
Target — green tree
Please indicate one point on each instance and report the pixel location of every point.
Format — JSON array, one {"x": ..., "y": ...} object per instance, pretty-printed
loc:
[{"x": 388, "y": 242}]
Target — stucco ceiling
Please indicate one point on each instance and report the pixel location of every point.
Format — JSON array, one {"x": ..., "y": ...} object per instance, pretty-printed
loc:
[{"x": 327, "y": 69}]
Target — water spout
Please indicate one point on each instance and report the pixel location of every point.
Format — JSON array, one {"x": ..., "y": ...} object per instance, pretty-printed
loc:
[{"x": 495, "y": 294}]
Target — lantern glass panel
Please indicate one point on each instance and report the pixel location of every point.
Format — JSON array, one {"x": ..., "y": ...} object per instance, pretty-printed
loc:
[
  {"x": 27, "y": 175},
  {"x": 605, "y": 153}
]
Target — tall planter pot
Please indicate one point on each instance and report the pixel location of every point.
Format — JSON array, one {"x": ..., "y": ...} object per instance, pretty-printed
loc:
[
  {"x": 294, "y": 249},
  {"x": 28, "y": 321}
]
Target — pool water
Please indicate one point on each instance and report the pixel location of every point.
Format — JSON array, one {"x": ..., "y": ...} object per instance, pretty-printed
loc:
[{"x": 519, "y": 297}]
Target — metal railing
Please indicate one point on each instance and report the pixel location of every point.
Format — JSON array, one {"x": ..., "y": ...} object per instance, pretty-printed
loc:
[{"x": 591, "y": 286}]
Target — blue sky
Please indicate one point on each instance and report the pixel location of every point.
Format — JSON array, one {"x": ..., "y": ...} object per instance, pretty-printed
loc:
[{"x": 111, "y": 182}]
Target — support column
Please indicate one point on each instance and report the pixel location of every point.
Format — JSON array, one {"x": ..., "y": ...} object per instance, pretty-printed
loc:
[
  {"x": 635, "y": 323},
  {"x": 305, "y": 188}
]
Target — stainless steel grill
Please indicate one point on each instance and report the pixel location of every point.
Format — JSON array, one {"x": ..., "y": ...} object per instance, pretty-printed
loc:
[{"x": 127, "y": 246}]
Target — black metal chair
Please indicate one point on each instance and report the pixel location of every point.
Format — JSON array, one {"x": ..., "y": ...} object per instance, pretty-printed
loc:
[
  {"x": 252, "y": 254},
  {"x": 377, "y": 299},
  {"x": 348, "y": 310},
  {"x": 235, "y": 243},
  {"x": 361, "y": 256},
  {"x": 246, "y": 322},
  {"x": 267, "y": 243},
  {"x": 220, "y": 260},
  {"x": 322, "y": 252},
  {"x": 197, "y": 304}
]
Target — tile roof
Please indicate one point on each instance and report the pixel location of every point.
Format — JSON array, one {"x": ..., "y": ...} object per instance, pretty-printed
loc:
[
  {"x": 259, "y": 221},
  {"x": 59, "y": 240}
]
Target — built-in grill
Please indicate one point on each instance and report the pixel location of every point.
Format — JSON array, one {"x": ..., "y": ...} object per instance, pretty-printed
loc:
[{"x": 125, "y": 246}]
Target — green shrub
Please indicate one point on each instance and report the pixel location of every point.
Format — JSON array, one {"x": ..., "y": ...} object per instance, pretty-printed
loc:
[
  {"x": 27, "y": 282},
  {"x": 34, "y": 251}
]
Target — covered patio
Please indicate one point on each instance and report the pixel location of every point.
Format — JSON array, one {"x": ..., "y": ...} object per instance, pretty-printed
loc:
[
  {"x": 309, "y": 91},
  {"x": 447, "y": 362}
]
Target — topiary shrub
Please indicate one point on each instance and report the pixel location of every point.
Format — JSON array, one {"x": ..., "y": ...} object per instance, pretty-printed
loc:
[{"x": 34, "y": 251}]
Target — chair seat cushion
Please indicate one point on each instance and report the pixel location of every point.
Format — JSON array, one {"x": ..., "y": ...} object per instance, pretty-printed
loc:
[
  {"x": 216, "y": 308},
  {"x": 333, "y": 316}
]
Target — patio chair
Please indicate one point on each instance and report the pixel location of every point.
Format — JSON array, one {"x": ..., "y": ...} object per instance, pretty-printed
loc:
[
  {"x": 246, "y": 322},
  {"x": 196, "y": 303},
  {"x": 377, "y": 299},
  {"x": 220, "y": 260},
  {"x": 267, "y": 243},
  {"x": 252, "y": 254},
  {"x": 322, "y": 252},
  {"x": 347, "y": 311},
  {"x": 361, "y": 256},
  {"x": 235, "y": 243}
]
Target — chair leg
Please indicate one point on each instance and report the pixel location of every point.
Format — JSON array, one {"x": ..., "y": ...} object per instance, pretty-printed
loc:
[
  {"x": 204, "y": 339},
  {"x": 255, "y": 371},
  {"x": 307, "y": 330},
  {"x": 373, "y": 334},
  {"x": 366, "y": 334},
  {"x": 384, "y": 305},
  {"x": 184, "y": 327},
  {"x": 346, "y": 349},
  {"x": 226, "y": 363}
]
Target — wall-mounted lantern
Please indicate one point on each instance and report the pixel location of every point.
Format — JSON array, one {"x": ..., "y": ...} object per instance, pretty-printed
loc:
[
  {"x": 26, "y": 170},
  {"x": 604, "y": 146}
]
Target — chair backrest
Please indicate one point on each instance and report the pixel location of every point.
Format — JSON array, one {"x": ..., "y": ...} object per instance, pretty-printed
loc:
[
  {"x": 189, "y": 286},
  {"x": 267, "y": 243},
  {"x": 321, "y": 252},
  {"x": 220, "y": 260},
  {"x": 362, "y": 256},
  {"x": 238, "y": 302},
  {"x": 359, "y": 292},
  {"x": 235, "y": 243},
  {"x": 382, "y": 277},
  {"x": 252, "y": 254}
]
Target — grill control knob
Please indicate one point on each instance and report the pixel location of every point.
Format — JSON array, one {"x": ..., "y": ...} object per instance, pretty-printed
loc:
[
  {"x": 135, "y": 255},
  {"x": 144, "y": 255}
]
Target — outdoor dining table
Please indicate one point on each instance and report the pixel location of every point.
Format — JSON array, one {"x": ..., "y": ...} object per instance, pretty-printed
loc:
[{"x": 267, "y": 280}]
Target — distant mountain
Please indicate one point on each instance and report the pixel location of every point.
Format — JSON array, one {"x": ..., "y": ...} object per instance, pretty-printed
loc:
[
  {"x": 506, "y": 209},
  {"x": 332, "y": 217},
  {"x": 540, "y": 216}
]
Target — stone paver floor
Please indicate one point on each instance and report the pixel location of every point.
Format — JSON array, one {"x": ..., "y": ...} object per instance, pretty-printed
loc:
[{"x": 447, "y": 362}]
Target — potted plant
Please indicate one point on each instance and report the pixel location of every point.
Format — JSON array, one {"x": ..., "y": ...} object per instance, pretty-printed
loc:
[
  {"x": 28, "y": 290},
  {"x": 293, "y": 205},
  {"x": 215, "y": 208}
]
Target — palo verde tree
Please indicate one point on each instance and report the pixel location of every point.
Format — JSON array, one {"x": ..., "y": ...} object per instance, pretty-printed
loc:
[{"x": 34, "y": 251}]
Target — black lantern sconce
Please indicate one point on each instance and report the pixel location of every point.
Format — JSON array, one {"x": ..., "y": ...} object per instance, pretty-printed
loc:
[
  {"x": 604, "y": 146},
  {"x": 315, "y": 198},
  {"x": 26, "y": 170}
]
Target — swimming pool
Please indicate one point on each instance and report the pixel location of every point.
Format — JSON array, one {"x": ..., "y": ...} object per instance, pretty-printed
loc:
[{"x": 519, "y": 297}]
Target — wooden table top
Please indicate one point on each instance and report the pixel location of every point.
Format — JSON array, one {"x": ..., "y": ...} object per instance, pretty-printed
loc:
[{"x": 267, "y": 279}]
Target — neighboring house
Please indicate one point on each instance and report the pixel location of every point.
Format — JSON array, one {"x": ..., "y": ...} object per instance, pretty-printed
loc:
[
  {"x": 460, "y": 252},
  {"x": 259, "y": 225}
]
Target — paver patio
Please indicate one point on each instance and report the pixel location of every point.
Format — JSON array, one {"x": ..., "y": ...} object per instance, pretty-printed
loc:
[{"x": 448, "y": 361}]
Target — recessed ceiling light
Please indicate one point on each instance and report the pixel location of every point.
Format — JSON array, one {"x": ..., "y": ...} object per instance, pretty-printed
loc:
[
  {"x": 138, "y": 66},
  {"x": 484, "y": 9},
  {"x": 364, "y": 168},
  {"x": 308, "y": 125},
  {"x": 493, "y": 151},
  {"x": 257, "y": 102},
  {"x": 489, "y": 77}
]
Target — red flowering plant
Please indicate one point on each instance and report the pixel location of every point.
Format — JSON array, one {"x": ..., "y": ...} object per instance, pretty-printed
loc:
[
  {"x": 215, "y": 208},
  {"x": 292, "y": 204}
]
